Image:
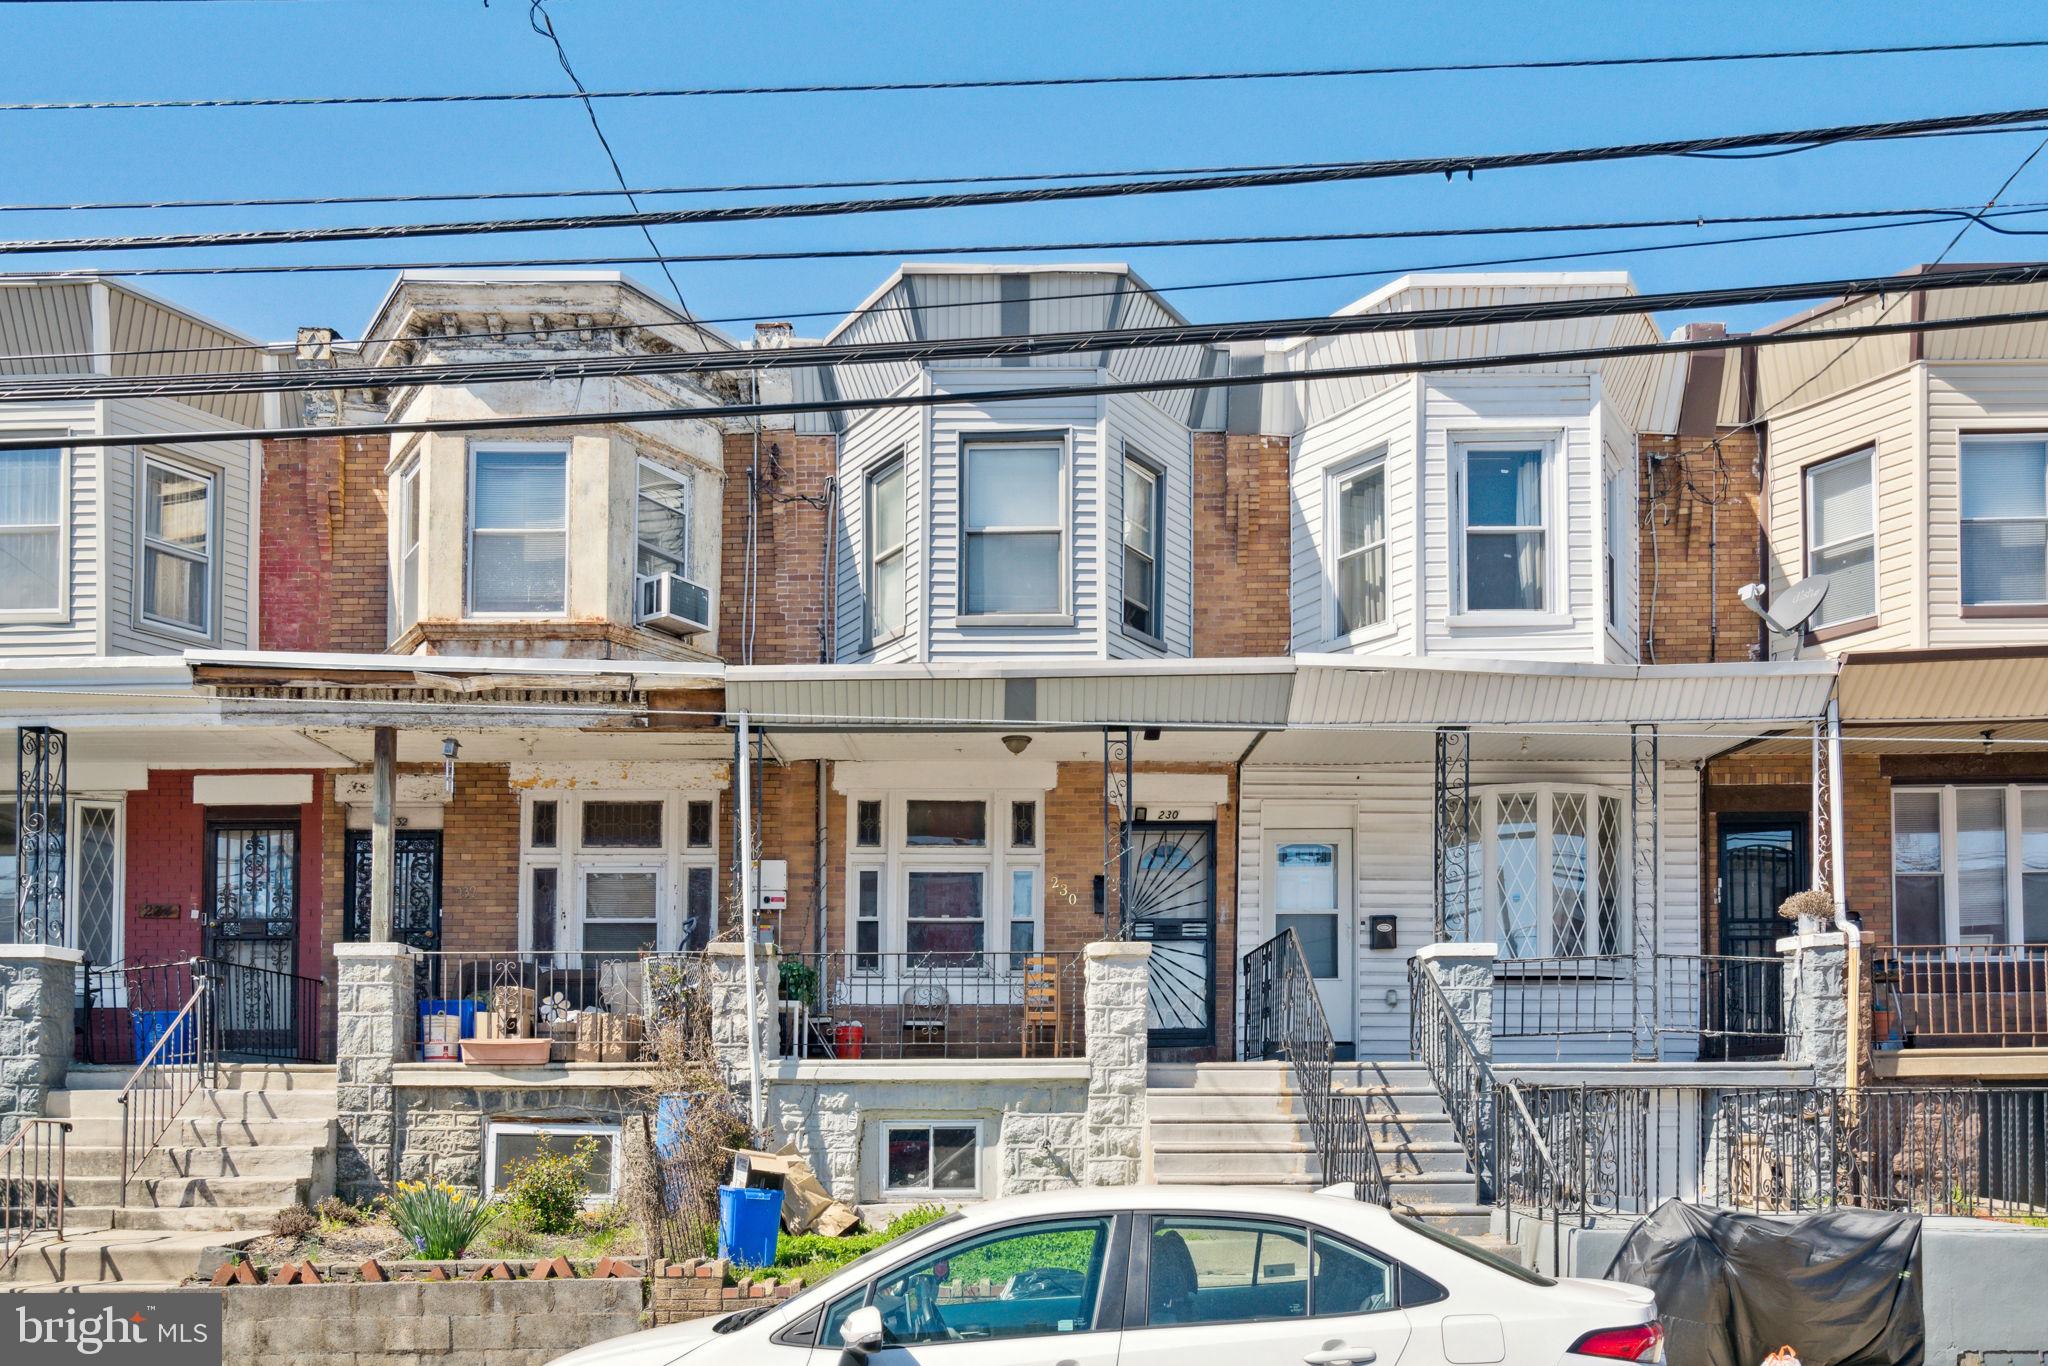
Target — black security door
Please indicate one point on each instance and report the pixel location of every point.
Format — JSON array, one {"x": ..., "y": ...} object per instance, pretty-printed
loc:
[
  {"x": 1762, "y": 861},
  {"x": 251, "y": 932},
  {"x": 1173, "y": 907}
]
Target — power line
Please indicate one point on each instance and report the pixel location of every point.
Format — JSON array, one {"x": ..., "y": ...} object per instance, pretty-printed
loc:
[
  {"x": 786, "y": 315},
  {"x": 930, "y": 351},
  {"x": 720, "y": 412},
  {"x": 1447, "y": 166},
  {"x": 1035, "y": 82}
]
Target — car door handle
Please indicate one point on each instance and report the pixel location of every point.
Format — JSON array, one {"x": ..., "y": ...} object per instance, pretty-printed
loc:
[{"x": 1342, "y": 1356}]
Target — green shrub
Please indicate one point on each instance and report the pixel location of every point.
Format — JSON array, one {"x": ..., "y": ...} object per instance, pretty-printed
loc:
[
  {"x": 440, "y": 1220},
  {"x": 817, "y": 1254},
  {"x": 798, "y": 981},
  {"x": 545, "y": 1192}
]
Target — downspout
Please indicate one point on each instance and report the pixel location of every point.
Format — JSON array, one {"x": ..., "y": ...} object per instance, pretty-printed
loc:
[{"x": 757, "y": 1101}]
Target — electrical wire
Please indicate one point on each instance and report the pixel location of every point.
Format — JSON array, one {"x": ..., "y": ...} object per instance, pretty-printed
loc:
[
  {"x": 1036, "y": 82},
  {"x": 1012, "y": 394},
  {"x": 1447, "y": 166},
  {"x": 930, "y": 351}
]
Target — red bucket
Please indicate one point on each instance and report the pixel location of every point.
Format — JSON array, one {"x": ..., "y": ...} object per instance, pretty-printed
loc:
[{"x": 849, "y": 1039}]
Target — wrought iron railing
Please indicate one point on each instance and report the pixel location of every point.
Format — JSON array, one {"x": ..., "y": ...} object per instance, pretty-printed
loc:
[
  {"x": 1961, "y": 995},
  {"x": 1463, "y": 1078},
  {"x": 263, "y": 1014},
  {"x": 967, "y": 1004},
  {"x": 1293, "y": 1025},
  {"x": 590, "y": 1006},
  {"x": 32, "y": 1193},
  {"x": 122, "y": 1007},
  {"x": 266, "y": 1014},
  {"x": 1730, "y": 1005},
  {"x": 178, "y": 1063}
]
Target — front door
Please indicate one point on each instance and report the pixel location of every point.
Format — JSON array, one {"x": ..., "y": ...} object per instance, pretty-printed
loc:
[
  {"x": 1310, "y": 874},
  {"x": 1762, "y": 861},
  {"x": 251, "y": 931},
  {"x": 1173, "y": 908}
]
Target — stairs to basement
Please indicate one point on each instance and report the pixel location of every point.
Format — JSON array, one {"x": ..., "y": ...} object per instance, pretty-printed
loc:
[
  {"x": 1242, "y": 1124},
  {"x": 235, "y": 1154}
]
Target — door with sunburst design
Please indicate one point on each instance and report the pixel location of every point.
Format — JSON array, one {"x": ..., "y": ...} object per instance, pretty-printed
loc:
[{"x": 1173, "y": 908}]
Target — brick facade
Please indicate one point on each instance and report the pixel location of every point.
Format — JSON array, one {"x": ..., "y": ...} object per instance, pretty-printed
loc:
[
  {"x": 1698, "y": 540},
  {"x": 323, "y": 562},
  {"x": 793, "y": 541},
  {"x": 1243, "y": 546}
]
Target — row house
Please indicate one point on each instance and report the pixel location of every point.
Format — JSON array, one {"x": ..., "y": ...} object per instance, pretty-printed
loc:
[{"x": 1040, "y": 733}]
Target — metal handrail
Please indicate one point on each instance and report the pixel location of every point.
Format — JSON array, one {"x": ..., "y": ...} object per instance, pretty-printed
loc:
[
  {"x": 1339, "y": 1123},
  {"x": 1517, "y": 1136},
  {"x": 158, "y": 1089},
  {"x": 1463, "y": 1077},
  {"x": 26, "y": 1163}
]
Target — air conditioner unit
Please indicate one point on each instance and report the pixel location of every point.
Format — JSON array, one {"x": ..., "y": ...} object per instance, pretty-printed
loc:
[{"x": 670, "y": 602}]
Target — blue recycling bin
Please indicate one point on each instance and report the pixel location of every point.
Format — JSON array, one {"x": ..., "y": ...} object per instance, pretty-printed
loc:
[
  {"x": 748, "y": 1221},
  {"x": 151, "y": 1025}
]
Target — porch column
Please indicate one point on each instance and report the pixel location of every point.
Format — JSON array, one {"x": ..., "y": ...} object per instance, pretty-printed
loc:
[
  {"x": 1116, "y": 809},
  {"x": 1645, "y": 805},
  {"x": 40, "y": 772},
  {"x": 1116, "y": 986},
  {"x": 1450, "y": 866},
  {"x": 38, "y": 984},
  {"x": 1817, "y": 1004},
  {"x": 743, "y": 1030},
  {"x": 383, "y": 839},
  {"x": 375, "y": 1018},
  {"x": 1830, "y": 873}
]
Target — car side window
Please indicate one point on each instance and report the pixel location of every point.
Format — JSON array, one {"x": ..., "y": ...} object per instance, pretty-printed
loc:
[
  {"x": 1349, "y": 1280},
  {"x": 1211, "y": 1270},
  {"x": 1027, "y": 1280}
]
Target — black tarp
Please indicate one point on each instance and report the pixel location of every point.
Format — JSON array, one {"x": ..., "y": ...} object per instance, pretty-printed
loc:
[{"x": 1842, "y": 1288}]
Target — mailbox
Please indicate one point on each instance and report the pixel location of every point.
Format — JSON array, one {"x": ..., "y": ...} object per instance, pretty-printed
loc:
[{"x": 1380, "y": 928}]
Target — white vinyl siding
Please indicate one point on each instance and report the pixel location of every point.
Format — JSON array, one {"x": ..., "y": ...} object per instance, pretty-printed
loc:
[
  {"x": 1841, "y": 544},
  {"x": 1386, "y": 425},
  {"x": 863, "y": 449},
  {"x": 518, "y": 561},
  {"x": 1143, "y": 535},
  {"x": 1134, "y": 424}
]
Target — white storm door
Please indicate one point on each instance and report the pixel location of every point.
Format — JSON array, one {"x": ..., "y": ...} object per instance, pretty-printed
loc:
[{"x": 1310, "y": 874}]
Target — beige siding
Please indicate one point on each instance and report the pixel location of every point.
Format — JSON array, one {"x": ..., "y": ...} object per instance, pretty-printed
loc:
[{"x": 1962, "y": 398}]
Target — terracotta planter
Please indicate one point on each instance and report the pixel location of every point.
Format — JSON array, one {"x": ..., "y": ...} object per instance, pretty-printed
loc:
[{"x": 504, "y": 1052}]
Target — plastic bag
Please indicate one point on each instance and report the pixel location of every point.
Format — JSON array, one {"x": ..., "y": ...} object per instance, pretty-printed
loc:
[{"x": 1784, "y": 1356}]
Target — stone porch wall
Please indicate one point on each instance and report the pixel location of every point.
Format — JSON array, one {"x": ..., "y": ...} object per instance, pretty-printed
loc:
[
  {"x": 493, "y": 1323},
  {"x": 37, "y": 986}
]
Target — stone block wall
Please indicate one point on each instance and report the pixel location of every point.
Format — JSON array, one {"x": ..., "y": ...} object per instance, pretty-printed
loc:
[
  {"x": 455, "y": 1323},
  {"x": 374, "y": 1023},
  {"x": 37, "y": 989},
  {"x": 1119, "y": 975},
  {"x": 442, "y": 1129}
]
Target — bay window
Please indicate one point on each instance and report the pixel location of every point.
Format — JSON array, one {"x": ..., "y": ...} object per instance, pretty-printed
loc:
[
  {"x": 661, "y": 522},
  {"x": 518, "y": 530},
  {"x": 32, "y": 551},
  {"x": 2005, "y": 520},
  {"x": 1143, "y": 532},
  {"x": 1841, "y": 537},
  {"x": 1360, "y": 570},
  {"x": 1970, "y": 864},
  {"x": 1013, "y": 559},
  {"x": 1548, "y": 876},
  {"x": 617, "y": 874},
  {"x": 886, "y": 542},
  {"x": 177, "y": 547},
  {"x": 1506, "y": 541},
  {"x": 405, "y": 589}
]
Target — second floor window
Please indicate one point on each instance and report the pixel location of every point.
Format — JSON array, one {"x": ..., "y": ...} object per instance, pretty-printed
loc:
[
  {"x": 1841, "y": 539},
  {"x": 518, "y": 536},
  {"x": 31, "y": 530},
  {"x": 885, "y": 538},
  {"x": 661, "y": 522},
  {"x": 1141, "y": 547},
  {"x": 1617, "y": 552},
  {"x": 1014, "y": 533},
  {"x": 177, "y": 547},
  {"x": 1505, "y": 539},
  {"x": 2005, "y": 520},
  {"x": 407, "y": 590},
  {"x": 1361, "y": 569}
]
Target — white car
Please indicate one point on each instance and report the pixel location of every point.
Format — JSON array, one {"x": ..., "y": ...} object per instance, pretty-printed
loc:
[{"x": 1170, "y": 1276}]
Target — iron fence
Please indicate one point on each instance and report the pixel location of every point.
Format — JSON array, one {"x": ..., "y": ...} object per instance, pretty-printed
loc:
[
  {"x": 590, "y": 1007},
  {"x": 260, "y": 1014},
  {"x": 266, "y": 1014},
  {"x": 1728, "y": 1005},
  {"x": 1463, "y": 1078},
  {"x": 968, "y": 1004},
  {"x": 32, "y": 1196},
  {"x": 123, "y": 1005},
  {"x": 1961, "y": 996}
]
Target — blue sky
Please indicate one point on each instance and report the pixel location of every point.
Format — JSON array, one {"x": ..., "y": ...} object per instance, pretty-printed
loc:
[{"x": 114, "y": 50}]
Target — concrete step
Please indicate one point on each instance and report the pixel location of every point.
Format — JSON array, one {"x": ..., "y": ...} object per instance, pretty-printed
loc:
[
  {"x": 264, "y": 1195},
  {"x": 173, "y": 1218},
  {"x": 202, "y": 1104},
  {"x": 1201, "y": 1129},
  {"x": 115, "y": 1258},
  {"x": 233, "y": 1076},
  {"x": 1464, "y": 1219},
  {"x": 209, "y": 1161},
  {"x": 91, "y": 1131},
  {"x": 1220, "y": 1107}
]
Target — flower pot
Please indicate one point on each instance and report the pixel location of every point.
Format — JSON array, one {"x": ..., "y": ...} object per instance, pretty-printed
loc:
[{"x": 504, "y": 1052}]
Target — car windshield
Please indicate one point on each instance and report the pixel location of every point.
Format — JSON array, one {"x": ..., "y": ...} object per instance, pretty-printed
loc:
[
  {"x": 1477, "y": 1254},
  {"x": 809, "y": 1294}
]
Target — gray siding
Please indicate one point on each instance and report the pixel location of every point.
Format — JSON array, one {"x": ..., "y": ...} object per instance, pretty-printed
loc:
[{"x": 1135, "y": 423}]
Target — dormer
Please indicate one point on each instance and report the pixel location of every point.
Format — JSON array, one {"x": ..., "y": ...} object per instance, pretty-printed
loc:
[
  {"x": 599, "y": 540},
  {"x": 1482, "y": 512}
]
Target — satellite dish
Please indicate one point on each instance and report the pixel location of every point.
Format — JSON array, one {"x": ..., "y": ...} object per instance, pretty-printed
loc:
[{"x": 1790, "y": 610}]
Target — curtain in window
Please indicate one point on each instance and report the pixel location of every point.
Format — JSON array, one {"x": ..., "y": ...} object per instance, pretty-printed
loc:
[
  {"x": 1980, "y": 865},
  {"x": 2005, "y": 521},
  {"x": 31, "y": 507},
  {"x": 1840, "y": 504},
  {"x": 1917, "y": 869}
]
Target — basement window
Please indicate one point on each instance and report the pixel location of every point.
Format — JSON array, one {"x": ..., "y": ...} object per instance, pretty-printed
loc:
[
  {"x": 931, "y": 1159},
  {"x": 513, "y": 1143}
]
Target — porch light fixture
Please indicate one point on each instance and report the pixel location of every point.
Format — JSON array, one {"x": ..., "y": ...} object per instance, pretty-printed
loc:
[
  {"x": 1016, "y": 744},
  {"x": 1987, "y": 741},
  {"x": 450, "y": 747}
]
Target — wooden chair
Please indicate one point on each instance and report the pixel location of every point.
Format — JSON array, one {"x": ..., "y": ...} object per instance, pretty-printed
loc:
[{"x": 1042, "y": 1016}]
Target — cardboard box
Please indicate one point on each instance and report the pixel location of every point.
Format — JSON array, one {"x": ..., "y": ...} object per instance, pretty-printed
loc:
[
  {"x": 514, "y": 1008},
  {"x": 562, "y": 1033},
  {"x": 604, "y": 1037}
]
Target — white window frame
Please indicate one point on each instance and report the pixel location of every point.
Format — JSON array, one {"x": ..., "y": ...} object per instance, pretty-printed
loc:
[
  {"x": 1814, "y": 550},
  {"x": 407, "y": 547},
  {"x": 1061, "y": 613},
  {"x": 571, "y": 1130},
  {"x": 689, "y": 487},
  {"x": 1951, "y": 870},
  {"x": 1492, "y": 921},
  {"x": 672, "y": 860},
  {"x": 60, "y": 610},
  {"x": 874, "y": 554},
  {"x": 1988, "y": 606},
  {"x": 896, "y": 859},
  {"x": 145, "y": 545},
  {"x": 1615, "y": 555},
  {"x": 1555, "y": 527},
  {"x": 471, "y": 531},
  {"x": 1153, "y": 472},
  {"x": 890, "y": 1127},
  {"x": 1335, "y": 555},
  {"x": 72, "y": 866}
]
